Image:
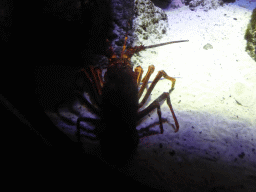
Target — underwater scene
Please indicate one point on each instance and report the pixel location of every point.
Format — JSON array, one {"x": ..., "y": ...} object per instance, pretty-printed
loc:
[{"x": 204, "y": 139}]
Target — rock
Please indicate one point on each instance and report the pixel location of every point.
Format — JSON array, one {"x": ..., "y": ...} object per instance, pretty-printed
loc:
[
  {"x": 204, "y": 4},
  {"x": 122, "y": 22},
  {"x": 250, "y": 36},
  {"x": 177, "y": 3},
  {"x": 208, "y": 46},
  {"x": 149, "y": 21}
]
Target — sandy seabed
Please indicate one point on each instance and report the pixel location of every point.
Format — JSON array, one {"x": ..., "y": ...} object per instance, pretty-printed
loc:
[{"x": 214, "y": 100}]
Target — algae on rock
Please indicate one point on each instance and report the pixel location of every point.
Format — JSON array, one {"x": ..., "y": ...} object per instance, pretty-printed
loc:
[{"x": 250, "y": 36}]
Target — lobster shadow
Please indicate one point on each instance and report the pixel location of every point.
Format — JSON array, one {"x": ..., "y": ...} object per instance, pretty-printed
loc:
[{"x": 147, "y": 131}]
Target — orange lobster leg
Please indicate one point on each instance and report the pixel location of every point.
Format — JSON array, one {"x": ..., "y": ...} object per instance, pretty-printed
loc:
[
  {"x": 159, "y": 75},
  {"x": 95, "y": 77},
  {"x": 151, "y": 69},
  {"x": 156, "y": 104},
  {"x": 139, "y": 71}
]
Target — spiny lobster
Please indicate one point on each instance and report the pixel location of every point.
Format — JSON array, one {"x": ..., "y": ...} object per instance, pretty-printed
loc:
[{"x": 115, "y": 101}]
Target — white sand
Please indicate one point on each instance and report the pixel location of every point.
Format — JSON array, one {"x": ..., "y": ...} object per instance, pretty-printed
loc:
[{"x": 214, "y": 101}]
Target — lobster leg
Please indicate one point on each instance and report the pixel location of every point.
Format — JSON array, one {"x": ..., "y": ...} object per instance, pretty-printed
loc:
[
  {"x": 151, "y": 69},
  {"x": 94, "y": 75},
  {"x": 98, "y": 72},
  {"x": 79, "y": 128},
  {"x": 156, "y": 104},
  {"x": 158, "y": 76},
  {"x": 139, "y": 71}
]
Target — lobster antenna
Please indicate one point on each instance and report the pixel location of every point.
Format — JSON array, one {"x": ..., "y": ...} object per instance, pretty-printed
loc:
[{"x": 161, "y": 44}]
